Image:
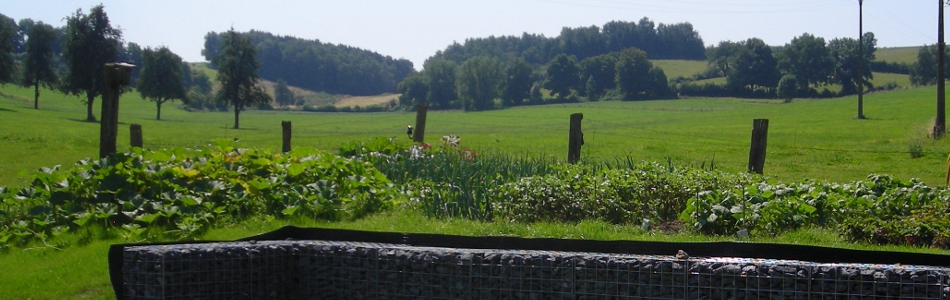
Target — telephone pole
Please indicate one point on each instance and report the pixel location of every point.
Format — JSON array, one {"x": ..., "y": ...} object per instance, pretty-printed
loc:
[
  {"x": 940, "y": 128},
  {"x": 861, "y": 59}
]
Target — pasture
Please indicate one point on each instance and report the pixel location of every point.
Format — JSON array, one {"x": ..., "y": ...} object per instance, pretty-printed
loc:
[{"x": 817, "y": 139}]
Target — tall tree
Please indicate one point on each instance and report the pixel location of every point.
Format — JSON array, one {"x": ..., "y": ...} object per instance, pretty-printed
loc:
[
  {"x": 8, "y": 34},
  {"x": 477, "y": 83},
  {"x": 753, "y": 66},
  {"x": 924, "y": 71},
  {"x": 440, "y": 75},
  {"x": 807, "y": 57},
  {"x": 90, "y": 43},
  {"x": 413, "y": 89},
  {"x": 237, "y": 72},
  {"x": 633, "y": 74},
  {"x": 38, "y": 64},
  {"x": 160, "y": 79},
  {"x": 517, "y": 84},
  {"x": 282, "y": 94},
  {"x": 598, "y": 73},
  {"x": 847, "y": 60},
  {"x": 563, "y": 75},
  {"x": 721, "y": 58}
]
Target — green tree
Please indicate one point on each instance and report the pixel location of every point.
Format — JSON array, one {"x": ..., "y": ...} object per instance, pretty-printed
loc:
[
  {"x": 847, "y": 58},
  {"x": 90, "y": 43},
  {"x": 517, "y": 84},
  {"x": 788, "y": 88},
  {"x": 160, "y": 79},
  {"x": 598, "y": 74},
  {"x": 924, "y": 71},
  {"x": 753, "y": 66},
  {"x": 38, "y": 64},
  {"x": 563, "y": 75},
  {"x": 477, "y": 83},
  {"x": 633, "y": 74},
  {"x": 440, "y": 75},
  {"x": 237, "y": 72},
  {"x": 282, "y": 94},
  {"x": 721, "y": 59},
  {"x": 807, "y": 57},
  {"x": 413, "y": 89},
  {"x": 8, "y": 34}
]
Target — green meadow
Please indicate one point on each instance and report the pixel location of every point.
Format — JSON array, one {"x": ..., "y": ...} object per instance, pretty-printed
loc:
[{"x": 816, "y": 139}]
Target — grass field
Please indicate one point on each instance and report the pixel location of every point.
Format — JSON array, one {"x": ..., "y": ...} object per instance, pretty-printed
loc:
[
  {"x": 674, "y": 68},
  {"x": 807, "y": 139},
  {"x": 365, "y": 101},
  {"x": 907, "y": 55}
]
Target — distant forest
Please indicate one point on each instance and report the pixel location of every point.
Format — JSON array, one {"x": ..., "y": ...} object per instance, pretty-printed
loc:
[
  {"x": 676, "y": 41},
  {"x": 341, "y": 69},
  {"x": 313, "y": 65}
]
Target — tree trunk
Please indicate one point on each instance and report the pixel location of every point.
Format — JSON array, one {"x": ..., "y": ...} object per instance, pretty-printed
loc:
[
  {"x": 236, "y": 112},
  {"x": 158, "y": 114},
  {"x": 90, "y": 99},
  {"x": 36, "y": 95}
]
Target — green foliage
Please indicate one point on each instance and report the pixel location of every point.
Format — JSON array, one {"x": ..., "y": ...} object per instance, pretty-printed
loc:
[
  {"x": 924, "y": 71},
  {"x": 477, "y": 82},
  {"x": 517, "y": 82},
  {"x": 633, "y": 74},
  {"x": 413, "y": 90},
  {"x": 562, "y": 75},
  {"x": 237, "y": 72},
  {"x": 850, "y": 56},
  {"x": 808, "y": 58},
  {"x": 160, "y": 79},
  {"x": 440, "y": 75},
  {"x": 38, "y": 64},
  {"x": 623, "y": 193},
  {"x": 8, "y": 67},
  {"x": 282, "y": 94},
  {"x": 319, "y": 66},
  {"x": 187, "y": 191},
  {"x": 91, "y": 42},
  {"x": 788, "y": 88}
]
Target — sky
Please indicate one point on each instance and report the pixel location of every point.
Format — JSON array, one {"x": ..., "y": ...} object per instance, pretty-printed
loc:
[{"x": 416, "y": 29}]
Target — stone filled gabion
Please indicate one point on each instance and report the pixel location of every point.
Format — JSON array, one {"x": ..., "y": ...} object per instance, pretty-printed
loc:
[{"x": 353, "y": 270}]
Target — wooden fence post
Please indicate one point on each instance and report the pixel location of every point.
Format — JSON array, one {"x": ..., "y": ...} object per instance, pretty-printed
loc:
[
  {"x": 760, "y": 134},
  {"x": 135, "y": 135},
  {"x": 285, "y": 125},
  {"x": 576, "y": 139},
  {"x": 418, "y": 135},
  {"x": 114, "y": 76}
]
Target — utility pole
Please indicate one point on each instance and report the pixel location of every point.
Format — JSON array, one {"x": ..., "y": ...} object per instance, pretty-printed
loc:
[
  {"x": 861, "y": 59},
  {"x": 940, "y": 128}
]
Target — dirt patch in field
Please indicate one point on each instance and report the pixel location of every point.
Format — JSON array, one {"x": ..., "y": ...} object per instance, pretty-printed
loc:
[{"x": 365, "y": 101}]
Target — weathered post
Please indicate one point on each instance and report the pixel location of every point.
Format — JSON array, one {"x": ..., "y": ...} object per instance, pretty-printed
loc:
[
  {"x": 576, "y": 139},
  {"x": 286, "y": 128},
  {"x": 418, "y": 135},
  {"x": 760, "y": 134},
  {"x": 115, "y": 75},
  {"x": 135, "y": 135}
]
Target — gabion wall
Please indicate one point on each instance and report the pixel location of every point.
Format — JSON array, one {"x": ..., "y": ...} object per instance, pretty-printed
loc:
[{"x": 353, "y": 270}]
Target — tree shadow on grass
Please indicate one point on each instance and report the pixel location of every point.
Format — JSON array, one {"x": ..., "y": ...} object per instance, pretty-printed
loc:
[{"x": 8, "y": 110}]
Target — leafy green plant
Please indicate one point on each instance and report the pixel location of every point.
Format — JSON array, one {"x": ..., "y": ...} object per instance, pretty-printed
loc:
[{"x": 185, "y": 191}]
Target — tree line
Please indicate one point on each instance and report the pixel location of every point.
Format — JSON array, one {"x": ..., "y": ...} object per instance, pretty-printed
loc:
[
  {"x": 486, "y": 82},
  {"x": 317, "y": 66},
  {"x": 663, "y": 41}
]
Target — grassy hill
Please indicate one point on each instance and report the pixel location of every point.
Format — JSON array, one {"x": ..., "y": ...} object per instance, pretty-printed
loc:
[
  {"x": 808, "y": 138},
  {"x": 907, "y": 55},
  {"x": 685, "y": 68}
]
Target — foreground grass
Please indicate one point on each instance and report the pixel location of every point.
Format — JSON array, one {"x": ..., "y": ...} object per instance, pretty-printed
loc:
[{"x": 81, "y": 271}]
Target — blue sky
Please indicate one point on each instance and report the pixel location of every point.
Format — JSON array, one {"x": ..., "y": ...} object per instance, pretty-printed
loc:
[{"x": 415, "y": 29}]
